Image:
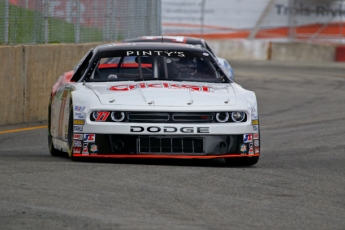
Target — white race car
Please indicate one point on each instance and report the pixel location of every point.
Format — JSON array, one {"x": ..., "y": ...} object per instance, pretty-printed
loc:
[{"x": 152, "y": 100}]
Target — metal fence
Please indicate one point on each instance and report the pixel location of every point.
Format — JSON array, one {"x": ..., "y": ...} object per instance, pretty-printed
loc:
[
  {"x": 80, "y": 21},
  {"x": 77, "y": 21}
]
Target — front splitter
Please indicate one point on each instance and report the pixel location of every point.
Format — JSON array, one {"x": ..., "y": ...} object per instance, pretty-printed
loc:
[{"x": 158, "y": 156}]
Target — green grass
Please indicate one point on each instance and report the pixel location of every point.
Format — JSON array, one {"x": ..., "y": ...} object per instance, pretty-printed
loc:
[{"x": 27, "y": 27}]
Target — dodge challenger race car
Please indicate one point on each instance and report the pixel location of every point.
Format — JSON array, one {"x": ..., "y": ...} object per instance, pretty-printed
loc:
[
  {"x": 152, "y": 100},
  {"x": 186, "y": 40}
]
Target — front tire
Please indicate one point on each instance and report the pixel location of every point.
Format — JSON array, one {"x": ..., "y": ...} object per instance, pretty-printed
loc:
[
  {"x": 70, "y": 133},
  {"x": 53, "y": 151}
]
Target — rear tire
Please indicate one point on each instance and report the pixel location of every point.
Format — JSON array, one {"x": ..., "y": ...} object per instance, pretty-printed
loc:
[{"x": 243, "y": 161}]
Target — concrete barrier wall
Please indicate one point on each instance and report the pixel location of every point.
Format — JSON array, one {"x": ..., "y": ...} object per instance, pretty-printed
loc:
[
  {"x": 277, "y": 51},
  {"x": 12, "y": 85},
  {"x": 27, "y": 76},
  {"x": 240, "y": 49},
  {"x": 302, "y": 52},
  {"x": 28, "y": 72}
]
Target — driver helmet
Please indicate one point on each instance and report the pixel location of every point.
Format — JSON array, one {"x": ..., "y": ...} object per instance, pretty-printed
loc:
[{"x": 187, "y": 66}]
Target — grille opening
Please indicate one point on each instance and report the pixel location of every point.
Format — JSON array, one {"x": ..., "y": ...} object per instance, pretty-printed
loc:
[
  {"x": 188, "y": 145},
  {"x": 171, "y": 145},
  {"x": 155, "y": 145},
  {"x": 144, "y": 145},
  {"x": 190, "y": 117},
  {"x": 166, "y": 143},
  {"x": 177, "y": 145},
  {"x": 140, "y": 117}
]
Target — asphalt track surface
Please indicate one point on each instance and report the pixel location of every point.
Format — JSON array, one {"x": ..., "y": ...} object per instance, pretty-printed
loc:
[{"x": 298, "y": 183}]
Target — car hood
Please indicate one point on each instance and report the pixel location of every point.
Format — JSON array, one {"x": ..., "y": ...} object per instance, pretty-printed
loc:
[{"x": 164, "y": 93}]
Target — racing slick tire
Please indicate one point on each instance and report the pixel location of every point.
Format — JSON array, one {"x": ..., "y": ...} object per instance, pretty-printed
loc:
[
  {"x": 245, "y": 161},
  {"x": 70, "y": 133},
  {"x": 53, "y": 151}
]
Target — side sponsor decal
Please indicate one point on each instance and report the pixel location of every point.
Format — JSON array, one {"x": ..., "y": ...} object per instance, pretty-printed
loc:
[
  {"x": 79, "y": 122},
  {"x": 79, "y": 115},
  {"x": 255, "y": 122},
  {"x": 254, "y": 113},
  {"x": 77, "y": 136},
  {"x": 251, "y": 149},
  {"x": 243, "y": 148},
  {"x": 256, "y": 143},
  {"x": 257, "y": 150},
  {"x": 94, "y": 148},
  {"x": 256, "y": 128},
  {"x": 89, "y": 138},
  {"x": 247, "y": 138},
  {"x": 85, "y": 149},
  {"x": 76, "y": 143},
  {"x": 76, "y": 150},
  {"x": 78, "y": 128},
  {"x": 256, "y": 136},
  {"x": 79, "y": 108}
]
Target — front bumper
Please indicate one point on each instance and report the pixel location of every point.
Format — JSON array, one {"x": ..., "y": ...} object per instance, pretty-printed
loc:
[{"x": 166, "y": 146}]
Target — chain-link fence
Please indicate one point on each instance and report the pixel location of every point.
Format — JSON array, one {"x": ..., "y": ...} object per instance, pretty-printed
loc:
[
  {"x": 289, "y": 20},
  {"x": 77, "y": 21}
]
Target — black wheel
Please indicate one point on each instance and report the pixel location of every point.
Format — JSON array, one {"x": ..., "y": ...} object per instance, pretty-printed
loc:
[
  {"x": 70, "y": 133},
  {"x": 243, "y": 161},
  {"x": 53, "y": 151}
]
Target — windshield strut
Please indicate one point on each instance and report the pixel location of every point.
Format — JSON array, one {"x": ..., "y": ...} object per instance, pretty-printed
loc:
[{"x": 139, "y": 65}]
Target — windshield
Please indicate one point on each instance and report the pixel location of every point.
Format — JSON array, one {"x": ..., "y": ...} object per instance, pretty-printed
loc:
[{"x": 139, "y": 65}]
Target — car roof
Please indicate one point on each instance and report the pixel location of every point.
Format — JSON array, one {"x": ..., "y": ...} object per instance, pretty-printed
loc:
[
  {"x": 147, "y": 45},
  {"x": 173, "y": 39}
]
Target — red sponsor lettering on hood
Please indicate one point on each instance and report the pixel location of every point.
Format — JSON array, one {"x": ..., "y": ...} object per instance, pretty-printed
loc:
[{"x": 128, "y": 87}]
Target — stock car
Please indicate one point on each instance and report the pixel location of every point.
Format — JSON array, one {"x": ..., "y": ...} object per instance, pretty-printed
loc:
[
  {"x": 187, "y": 40},
  {"x": 152, "y": 100}
]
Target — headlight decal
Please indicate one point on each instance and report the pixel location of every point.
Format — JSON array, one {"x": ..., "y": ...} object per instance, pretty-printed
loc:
[
  {"x": 100, "y": 115},
  {"x": 118, "y": 116},
  {"x": 238, "y": 116},
  {"x": 222, "y": 117}
]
